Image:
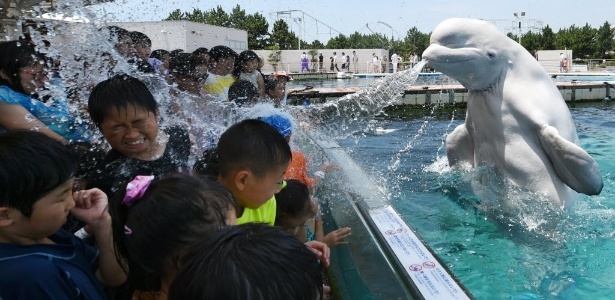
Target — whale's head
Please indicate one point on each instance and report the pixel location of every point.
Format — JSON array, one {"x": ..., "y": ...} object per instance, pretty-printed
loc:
[{"x": 473, "y": 52}]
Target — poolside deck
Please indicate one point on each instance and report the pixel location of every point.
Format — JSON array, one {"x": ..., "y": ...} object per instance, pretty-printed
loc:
[{"x": 420, "y": 95}]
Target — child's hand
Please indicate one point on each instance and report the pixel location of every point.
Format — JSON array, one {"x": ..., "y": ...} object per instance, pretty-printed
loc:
[
  {"x": 321, "y": 250},
  {"x": 91, "y": 208},
  {"x": 337, "y": 237}
]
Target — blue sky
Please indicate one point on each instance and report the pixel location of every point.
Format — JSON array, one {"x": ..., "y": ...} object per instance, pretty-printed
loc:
[{"x": 350, "y": 16}]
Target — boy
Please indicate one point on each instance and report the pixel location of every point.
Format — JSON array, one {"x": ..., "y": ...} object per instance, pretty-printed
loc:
[
  {"x": 38, "y": 260},
  {"x": 253, "y": 158}
]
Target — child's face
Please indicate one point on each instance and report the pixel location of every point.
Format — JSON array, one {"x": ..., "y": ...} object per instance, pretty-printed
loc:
[
  {"x": 257, "y": 191},
  {"x": 250, "y": 66},
  {"x": 279, "y": 91},
  {"x": 224, "y": 66},
  {"x": 48, "y": 213},
  {"x": 294, "y": 225},
  {"x": 143, "y": 50},
  {"x": 132, "y": 131}
]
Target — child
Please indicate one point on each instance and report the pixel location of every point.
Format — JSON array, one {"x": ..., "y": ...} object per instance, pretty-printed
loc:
[
  {"x": 128, "y": 116},
  {"x": 243, "y": 93},
  {"x": 220, "y": 77},
  {"x": 157, "y": 219},
  {"x": 246, "y": 68},
  {"x": 23, "y": 76},
  {"x": 275, "y": 90},
  {"x": 250, "y": 261},
  {"x": 252, "y": 160},
  {"x": 294, "y": 209},
  {"x": 38, "y": 260}
]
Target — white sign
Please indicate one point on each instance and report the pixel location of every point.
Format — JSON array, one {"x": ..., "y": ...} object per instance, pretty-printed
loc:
[{"x": 432, "y": 280}]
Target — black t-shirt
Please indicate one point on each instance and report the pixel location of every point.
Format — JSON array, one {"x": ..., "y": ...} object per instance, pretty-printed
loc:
[{"x": 116, "y": 169}]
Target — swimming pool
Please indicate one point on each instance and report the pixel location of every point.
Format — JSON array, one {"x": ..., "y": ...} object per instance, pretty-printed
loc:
[{"x": 404, "y": 156}]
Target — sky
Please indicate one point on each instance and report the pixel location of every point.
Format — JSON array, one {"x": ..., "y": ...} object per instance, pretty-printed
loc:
[{"x": 324, "y": 19}]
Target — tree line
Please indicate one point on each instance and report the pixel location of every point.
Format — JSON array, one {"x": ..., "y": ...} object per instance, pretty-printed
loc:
[{"x": 586, "y": 42}]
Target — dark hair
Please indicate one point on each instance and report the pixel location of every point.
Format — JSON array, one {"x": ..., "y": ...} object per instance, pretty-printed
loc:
[
  {"x": 252, "y": 144},
  {"x": 218, "y": 52},
  {"x": 174, "y": 212},
  {"x": 15, "y": 55},
  {"x": 207, "y": 164},
  {"x": 293, "y": 201},
  {"x": 159, "y": 53},
  {"x": 243, "y": 58},
  {"x": 249, "y": 261},
  {"x": 200, "y": 50},
  {"x": 243, "y": 92},
  {"x": 119, "y": 92},
  {"x": 116, "y": 33},
  {"x": 175, "y": 52},
  {"x": 139, "y": 38},
  {"x": 183, "y": 65},
  {"x": 271, "y": 82},
  {"x": 31, "y": 165}
]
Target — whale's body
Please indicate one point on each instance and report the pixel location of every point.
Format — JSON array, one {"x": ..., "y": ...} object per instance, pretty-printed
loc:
[{"x": 517, "y": 122}]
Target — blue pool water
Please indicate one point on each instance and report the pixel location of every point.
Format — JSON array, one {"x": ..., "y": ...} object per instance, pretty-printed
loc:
[{"x": 405, "y": 157}]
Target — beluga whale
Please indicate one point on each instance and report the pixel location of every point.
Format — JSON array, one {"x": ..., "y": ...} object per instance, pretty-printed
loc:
[{"x": 517, "y": 122}]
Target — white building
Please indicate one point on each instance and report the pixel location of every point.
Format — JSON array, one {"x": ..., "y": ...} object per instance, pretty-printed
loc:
[{"x": 186, "y": 35}]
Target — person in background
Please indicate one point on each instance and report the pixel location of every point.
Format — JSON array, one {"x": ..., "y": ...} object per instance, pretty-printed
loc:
[
  {"x": 220, "y": 76},
  {"x": 243, "y": 93},
  {"x": 143, "y": 48},
  {"x": 355, "y": 62},
  {"x": 267, "y": 263},
  {"x": 394, "y": 62},
  {"x": 344, "y": 61},
  {"x": 335, "y": 62},
  {"x": 38, "y": 259},
  {"x": 305, "y": 63},
  {"x": 246, "y": 68},
  {"x": 187, "y": 74},
  {"x": 164, "y": 57},
  {"x": 320, "y": 62}
]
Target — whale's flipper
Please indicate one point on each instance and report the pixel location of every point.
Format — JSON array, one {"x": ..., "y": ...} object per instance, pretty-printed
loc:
[
  {"x": 572, "y": 164},
  {"x": 459, "y": 146}
]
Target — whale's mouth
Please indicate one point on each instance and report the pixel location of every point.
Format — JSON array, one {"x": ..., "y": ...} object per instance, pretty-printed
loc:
[{"x": 448, "y": 61}]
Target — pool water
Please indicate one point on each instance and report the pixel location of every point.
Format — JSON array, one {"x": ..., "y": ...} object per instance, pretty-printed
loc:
[{"x": 405, "y": 157}]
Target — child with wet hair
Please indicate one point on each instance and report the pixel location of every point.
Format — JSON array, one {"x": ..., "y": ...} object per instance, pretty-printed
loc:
[
  {"x": 246, "y": 68},
  {"x": 250, "y": 261},
  {"x": 295, "y": 208},
  {"x": 156, "y": 220},
  {"x": 38, "y": 259},
  {"x": 220, "y": 76},
  {"x": 127, "y": 115},
  {"x": 243, "y": 93}
]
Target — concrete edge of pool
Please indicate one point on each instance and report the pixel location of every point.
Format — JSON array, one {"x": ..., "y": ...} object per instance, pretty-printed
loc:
[{"x": 390, "y": 258}]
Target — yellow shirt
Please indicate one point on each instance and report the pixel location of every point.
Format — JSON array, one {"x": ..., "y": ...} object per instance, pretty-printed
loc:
[
  {"x": 264, "y": 214},
  {"x": 218, "y": 85}
]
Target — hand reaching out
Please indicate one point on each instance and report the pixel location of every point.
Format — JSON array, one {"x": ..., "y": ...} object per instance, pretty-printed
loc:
[{"x": 337, "y": 237}]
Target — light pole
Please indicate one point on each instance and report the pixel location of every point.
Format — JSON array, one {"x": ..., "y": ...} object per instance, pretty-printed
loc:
[
  {"x": 518, "y": 17},
  {"x": 387, "y": 25}
]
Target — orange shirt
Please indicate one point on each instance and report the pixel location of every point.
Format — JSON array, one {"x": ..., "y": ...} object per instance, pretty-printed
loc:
[{"x": 297, "y": 169}]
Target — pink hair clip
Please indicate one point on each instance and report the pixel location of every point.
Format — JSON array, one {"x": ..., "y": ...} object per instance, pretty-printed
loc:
[
  {"x": 127, "y": 230},
  {"x": 136, "y": 188}
]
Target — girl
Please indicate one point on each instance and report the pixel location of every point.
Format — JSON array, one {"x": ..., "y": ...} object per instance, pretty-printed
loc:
[
  {"x": 155, "y": 220},
  {"x": 246, "y": 68},
  {"x": 294, "y": 209},
  {"x": 22, "y": 77},
  {"x": 220, "y": 76},
  {"x": 128, "y": 117}
]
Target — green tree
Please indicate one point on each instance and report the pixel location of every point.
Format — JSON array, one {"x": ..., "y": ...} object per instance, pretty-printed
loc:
[
  {"x": 548, "y": 39},
  {"x": 416, "y": 41},
  {"x": 175, "y": 15},
  {"x": 584, "y": 41},
  {"x": 604, "y": 40},
  {"x": 282, "y": 37}
]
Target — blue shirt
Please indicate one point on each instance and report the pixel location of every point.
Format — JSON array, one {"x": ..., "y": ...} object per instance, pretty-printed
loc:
[
  {"x": 65, "y": 270},
  {"x": 56, "y": 117}
]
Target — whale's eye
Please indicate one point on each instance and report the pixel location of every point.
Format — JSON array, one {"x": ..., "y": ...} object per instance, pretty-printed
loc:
[{"x": 490, "y": 54}]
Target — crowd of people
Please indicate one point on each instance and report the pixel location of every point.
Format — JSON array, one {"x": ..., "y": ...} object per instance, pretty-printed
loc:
[{"x": 99, "y": 196}]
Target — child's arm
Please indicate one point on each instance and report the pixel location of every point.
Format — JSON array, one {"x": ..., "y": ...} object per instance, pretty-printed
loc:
[
  {"x": 337, "y": 237},
  {"x": 91, "y": 208}
]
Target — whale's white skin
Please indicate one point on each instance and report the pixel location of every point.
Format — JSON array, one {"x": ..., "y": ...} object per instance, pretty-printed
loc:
[{"x": 517, "y": 121}]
